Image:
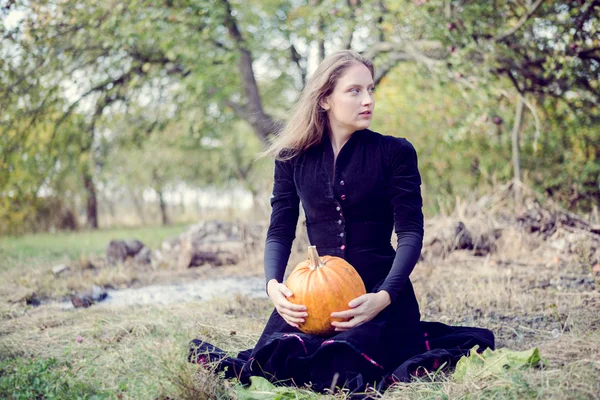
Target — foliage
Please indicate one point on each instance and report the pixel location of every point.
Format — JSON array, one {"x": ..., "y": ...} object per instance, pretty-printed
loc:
[
  {"x": 494, "y": 362},
  {"x": 126, "y": 96},
  {"x": 262, "y": 389}
]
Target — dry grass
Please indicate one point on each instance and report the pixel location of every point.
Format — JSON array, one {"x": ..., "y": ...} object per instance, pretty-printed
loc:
[{"x": 528, "y": 293}]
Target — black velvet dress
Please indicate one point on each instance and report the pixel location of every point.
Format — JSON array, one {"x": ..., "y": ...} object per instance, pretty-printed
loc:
[{"x": 351, "y": 207}]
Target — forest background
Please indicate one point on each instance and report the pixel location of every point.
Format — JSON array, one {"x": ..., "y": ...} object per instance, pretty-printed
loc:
[{"x": 143, "y": 112}]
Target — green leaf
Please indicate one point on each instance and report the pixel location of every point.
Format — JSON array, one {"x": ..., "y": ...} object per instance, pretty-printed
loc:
[
  {"x": 262, "y": 389},
  {"x": 492, "y": 362}
]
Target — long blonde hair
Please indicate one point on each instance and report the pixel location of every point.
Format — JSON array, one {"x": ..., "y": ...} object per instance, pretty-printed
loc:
[{"x": 309, "y": 121}]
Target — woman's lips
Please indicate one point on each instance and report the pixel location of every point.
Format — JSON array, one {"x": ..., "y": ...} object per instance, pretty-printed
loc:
[{"x": 365, "y": 114}]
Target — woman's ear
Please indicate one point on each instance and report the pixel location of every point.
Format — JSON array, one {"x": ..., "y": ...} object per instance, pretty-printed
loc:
[{"x": 324, "y": 104}]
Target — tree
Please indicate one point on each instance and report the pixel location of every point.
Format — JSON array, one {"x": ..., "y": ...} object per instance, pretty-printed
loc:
[{"x": 83, "y": 63}]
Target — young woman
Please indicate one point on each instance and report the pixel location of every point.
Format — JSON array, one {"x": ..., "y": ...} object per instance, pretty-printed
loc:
[{"x": 355, "y": 186}]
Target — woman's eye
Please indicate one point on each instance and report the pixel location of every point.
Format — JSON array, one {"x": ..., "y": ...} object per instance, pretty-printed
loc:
[
  {"x": 371, "y": 90},
  {"x": 354, "y": 90}
]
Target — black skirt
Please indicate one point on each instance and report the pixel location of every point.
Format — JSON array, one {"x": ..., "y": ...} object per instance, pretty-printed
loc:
[{"x": 392, "y": 347}]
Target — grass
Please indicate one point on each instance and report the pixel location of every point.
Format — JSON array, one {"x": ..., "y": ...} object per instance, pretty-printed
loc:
[
  {"x": 527, "y": 293},
  {"x": 33, "y": 250}
]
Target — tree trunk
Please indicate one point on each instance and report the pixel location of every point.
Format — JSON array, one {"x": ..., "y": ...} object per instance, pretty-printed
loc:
[
  {"x": 163, "y": 207},
  {"x": 262, "y": 123},
  {"x": 92, "y": 201},
  {"x": 320, "y": 35},
  {"x": 516, "y": 158}
]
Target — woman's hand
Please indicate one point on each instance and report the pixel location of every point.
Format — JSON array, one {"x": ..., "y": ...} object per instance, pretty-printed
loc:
[
  {"x": 362, "y": 309},
  {"x": 292, "y": 313}
]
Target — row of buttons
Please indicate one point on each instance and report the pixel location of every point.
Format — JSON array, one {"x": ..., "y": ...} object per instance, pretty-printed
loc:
[
  {"x": 338, "y": 208},
  {"x": 340, "y": 221}
]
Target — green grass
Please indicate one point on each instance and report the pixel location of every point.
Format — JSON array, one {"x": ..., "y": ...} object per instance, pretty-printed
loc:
[
  {"x": 22, "y": 378},
  {"x": 34, "y": 249}
]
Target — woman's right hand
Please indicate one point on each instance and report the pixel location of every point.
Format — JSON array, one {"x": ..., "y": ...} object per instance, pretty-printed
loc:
[{"x": 293, "y": 314}]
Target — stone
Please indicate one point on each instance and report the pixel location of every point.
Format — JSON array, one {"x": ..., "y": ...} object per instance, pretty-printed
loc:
[
  {"x": 57, "y": 270},
  {"x": 86, "y": 299},
  {"x": 118, "y": 251},
  {"x": 144, "y": 256}
]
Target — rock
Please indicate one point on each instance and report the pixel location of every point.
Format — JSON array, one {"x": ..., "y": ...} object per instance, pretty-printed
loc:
[
  {"x": 59, "y": 269},
  {"x": 144, "y": 256},
  {"x": 133, "y": 246},
  {"x": 218, "y": 253},
  {"x": 211, "y": 242},
  {"x": 94, "y": 295},
  {"x": 118, "y": 251},
  {"x": 447, "y": 235},
  {"x": 79, "y": 301},
  {"x": 32, "y": 300}
]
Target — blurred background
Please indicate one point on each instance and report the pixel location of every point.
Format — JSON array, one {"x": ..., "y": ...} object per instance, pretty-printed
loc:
[
  {"x": 137, "y": 112},
  {"x": 133, "y": 210}
]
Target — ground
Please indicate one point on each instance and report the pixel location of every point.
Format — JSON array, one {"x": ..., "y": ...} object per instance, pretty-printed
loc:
[{"x": 528, "y": 294}]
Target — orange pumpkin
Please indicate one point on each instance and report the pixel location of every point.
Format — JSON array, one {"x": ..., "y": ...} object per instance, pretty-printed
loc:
[{"x": 324, "y": 285}]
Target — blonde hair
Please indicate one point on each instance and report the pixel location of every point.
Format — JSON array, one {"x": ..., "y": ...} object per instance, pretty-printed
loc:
[{"x": 309, "y": 120}]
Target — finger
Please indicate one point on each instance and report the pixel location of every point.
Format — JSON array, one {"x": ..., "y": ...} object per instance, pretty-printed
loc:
[
  {"x": 347, "y": 324},
  {"x": 291, "y": 306},
  {"x": 289, "y": 320},
  {"x": 296, "y": 320},
  {"x": 293, "y": 314},
  {"x": 345, "y": 313},
  {"x": 295, "y": 325},
  {"x": 358, "y": 301},
  {"x": 285, "y": 290}
]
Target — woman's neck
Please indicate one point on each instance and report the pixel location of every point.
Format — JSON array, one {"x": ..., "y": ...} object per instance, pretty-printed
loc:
[{"x": 338, "y": 138}]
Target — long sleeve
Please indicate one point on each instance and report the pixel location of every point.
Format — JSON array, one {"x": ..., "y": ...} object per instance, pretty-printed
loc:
[
  {"x": 407, "y": 204},
  {"x": 284, "y": 218}
]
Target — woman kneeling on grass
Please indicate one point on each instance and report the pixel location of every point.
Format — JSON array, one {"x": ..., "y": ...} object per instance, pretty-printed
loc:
[{"x": 355, "y": 186}]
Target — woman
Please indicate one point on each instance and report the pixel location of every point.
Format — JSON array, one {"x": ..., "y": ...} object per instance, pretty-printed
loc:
[{"x": 355, "y": 186}]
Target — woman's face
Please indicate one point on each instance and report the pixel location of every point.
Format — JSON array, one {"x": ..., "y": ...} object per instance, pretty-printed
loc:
[{"x": 350, "y": 106}]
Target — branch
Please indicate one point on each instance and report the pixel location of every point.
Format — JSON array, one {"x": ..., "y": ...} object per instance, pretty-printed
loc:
[
  {"x": 402, "y": 52},
  {"x": 520, "y": 23},
  {"x": 382, "y": 70},
  {"x": 320, "y": 30},
  {"x": 262, "y": 123},
  {"x": 296, "y": 58},
  {"x": 347, "y": 41},
  {"x": 426, "y": 46},
  {"x": 121, "y": 80}
]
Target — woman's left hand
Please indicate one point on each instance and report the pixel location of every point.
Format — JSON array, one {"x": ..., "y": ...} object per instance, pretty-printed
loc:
[{"x": 362, "y": 309}]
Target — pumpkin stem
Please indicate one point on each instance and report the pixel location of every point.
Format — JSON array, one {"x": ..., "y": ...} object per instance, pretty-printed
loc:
[{"x": 315, "y": 260}]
